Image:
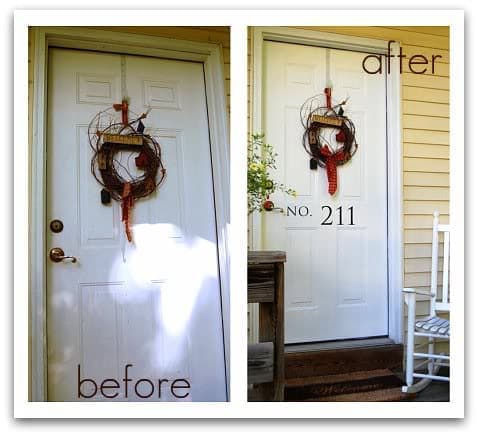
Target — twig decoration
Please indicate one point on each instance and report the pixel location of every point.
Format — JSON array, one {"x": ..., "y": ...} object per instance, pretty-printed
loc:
[
  {"x": 108, "y": 136},
  {"x": 315, "y": 118}
]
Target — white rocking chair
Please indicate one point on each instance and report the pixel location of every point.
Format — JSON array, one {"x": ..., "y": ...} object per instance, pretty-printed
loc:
[{"x": 432, "y": 326}]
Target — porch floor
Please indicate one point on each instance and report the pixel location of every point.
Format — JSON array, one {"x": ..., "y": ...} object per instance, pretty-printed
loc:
[{"x": 436, "y": 391}]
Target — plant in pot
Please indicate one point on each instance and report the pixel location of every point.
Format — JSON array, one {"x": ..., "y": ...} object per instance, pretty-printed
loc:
[{"x": 261, "y": 160}]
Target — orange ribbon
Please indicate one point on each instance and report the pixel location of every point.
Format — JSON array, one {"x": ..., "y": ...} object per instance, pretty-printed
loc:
[{"x": 123, "y": 107}]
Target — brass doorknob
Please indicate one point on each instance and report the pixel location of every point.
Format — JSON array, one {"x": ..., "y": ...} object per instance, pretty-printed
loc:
[{"x": 58, "y": 255}]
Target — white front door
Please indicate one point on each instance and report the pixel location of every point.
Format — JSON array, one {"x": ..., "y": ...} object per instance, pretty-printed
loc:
[
  {"x": 336, "y": 270},
  {"x": 150, "y": 309}
]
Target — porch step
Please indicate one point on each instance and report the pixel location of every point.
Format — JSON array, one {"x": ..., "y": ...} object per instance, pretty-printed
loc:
[
  {"x": 352, "y": 371},
  {"x": 304, "y": 363},
  {"x": 376, "y": 385}
]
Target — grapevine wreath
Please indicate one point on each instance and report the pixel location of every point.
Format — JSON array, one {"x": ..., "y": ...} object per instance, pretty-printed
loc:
[
  {"x": 318, "y": 118},
  {"x": 107, "y": 137}
]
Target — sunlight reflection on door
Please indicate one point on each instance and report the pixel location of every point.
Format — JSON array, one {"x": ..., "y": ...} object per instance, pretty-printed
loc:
[{"x": 169, "y": 273}]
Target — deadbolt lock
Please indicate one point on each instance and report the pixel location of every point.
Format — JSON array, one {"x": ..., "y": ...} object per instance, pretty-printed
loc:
[{"x": 56, "y": 226}]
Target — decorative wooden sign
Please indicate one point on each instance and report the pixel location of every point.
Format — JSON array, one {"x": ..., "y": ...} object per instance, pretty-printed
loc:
[
  {"x": 329, "y": 121},
  {"x": 123, "y": 139}
]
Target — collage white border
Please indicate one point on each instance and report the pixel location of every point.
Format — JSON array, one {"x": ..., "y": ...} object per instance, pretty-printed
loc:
[{"x": 238, "y": 20}]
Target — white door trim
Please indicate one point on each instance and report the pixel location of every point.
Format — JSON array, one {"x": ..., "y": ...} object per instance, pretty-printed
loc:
[
  {"x": 394, "y": 147},
  {"x": 70, "y": 37}
]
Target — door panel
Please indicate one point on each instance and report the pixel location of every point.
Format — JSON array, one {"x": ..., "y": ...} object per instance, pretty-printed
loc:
[
  {"x": 153, "y": 303},
  {"x": 336, "y": 271}
]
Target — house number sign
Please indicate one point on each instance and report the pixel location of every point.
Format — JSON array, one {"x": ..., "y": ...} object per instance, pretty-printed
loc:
[{"x": 329, "y": 215}]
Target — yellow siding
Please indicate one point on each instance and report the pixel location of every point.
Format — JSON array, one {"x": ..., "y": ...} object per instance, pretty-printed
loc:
[
  {"x": 437, "y": 37},
  {"x": 425, "y": 135}
]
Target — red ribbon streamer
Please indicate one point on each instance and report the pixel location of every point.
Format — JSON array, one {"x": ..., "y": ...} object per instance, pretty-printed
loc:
[
  {"x": 328, "y": 94},
  {"x": 331, "y": 160}
]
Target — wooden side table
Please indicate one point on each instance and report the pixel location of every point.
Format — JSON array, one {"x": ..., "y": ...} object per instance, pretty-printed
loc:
[{"x": 265, "y": 285}]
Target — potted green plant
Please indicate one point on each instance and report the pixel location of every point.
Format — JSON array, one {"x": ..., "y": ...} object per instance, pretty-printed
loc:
[{"x": 261, "y": 160}]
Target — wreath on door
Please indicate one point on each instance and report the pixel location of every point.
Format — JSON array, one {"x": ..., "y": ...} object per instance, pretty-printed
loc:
[
  {"x": 321, "y": 120},
  {"x": 108, "y": 136}
]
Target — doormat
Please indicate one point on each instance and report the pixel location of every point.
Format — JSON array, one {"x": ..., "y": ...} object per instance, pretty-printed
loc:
[{"x": 377, "y": 385}]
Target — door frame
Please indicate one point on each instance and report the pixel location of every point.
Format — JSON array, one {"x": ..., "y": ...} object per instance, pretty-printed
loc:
[
  {"x": 394, "y": 149},
  {"x": 210, "y": 55}
]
